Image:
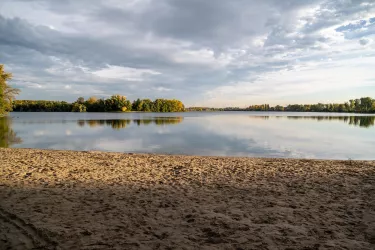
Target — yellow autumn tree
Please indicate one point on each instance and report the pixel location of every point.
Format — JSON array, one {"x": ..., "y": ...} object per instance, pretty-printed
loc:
[{"x": 7, "y": 93}]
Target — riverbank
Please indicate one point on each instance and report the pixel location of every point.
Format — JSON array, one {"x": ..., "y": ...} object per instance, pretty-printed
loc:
[{"x": 96, "y": 200}]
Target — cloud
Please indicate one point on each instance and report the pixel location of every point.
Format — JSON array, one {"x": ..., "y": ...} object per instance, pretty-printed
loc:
[
  {"x": 130, "y": 74},
  {"x": 352, "y": 26},
  {"x": 365, "y": 41},
  {"x": 185, "y": 49},
  {"x": 162, "y": 89}
]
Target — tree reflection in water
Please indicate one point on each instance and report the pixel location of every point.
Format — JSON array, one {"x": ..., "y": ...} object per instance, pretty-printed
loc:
[
  {"x": 360, "y": 121},
  {"x": 120, "y": 124},
  {"x": 7, "y": 136}
]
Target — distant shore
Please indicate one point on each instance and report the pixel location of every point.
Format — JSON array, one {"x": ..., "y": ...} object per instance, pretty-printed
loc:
[{"x": 96, "y": 200}]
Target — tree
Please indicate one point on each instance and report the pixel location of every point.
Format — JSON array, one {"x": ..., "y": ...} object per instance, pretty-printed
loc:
[
  {"x": 279, "y": 108},
  {"x": 357, "y": 104},
  {"x": 92, "y": 100},
  {"x": 352, "y": 105},
  {"x": 7, "y": 93},
  {"x": 2, "y": 101},
  {"x": 366, "y": 104},
  {"x": 347, "y": 107},
  {"x": 117, "y": 103},
  {"x": 9, "y": 96},
  {"x": 80, "y": 100},
  {"x": 78, "y": 108},
  {"x": 136, "y": 105},
  {"x": 92, "y": 104},
  {"x": 146, "y": 105}
]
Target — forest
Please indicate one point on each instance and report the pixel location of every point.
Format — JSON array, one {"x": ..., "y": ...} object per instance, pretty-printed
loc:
[
  {"x": 115, "y": 103},
  {"x": 362, "y": 105},
  {"x": 118, "y": 103}
]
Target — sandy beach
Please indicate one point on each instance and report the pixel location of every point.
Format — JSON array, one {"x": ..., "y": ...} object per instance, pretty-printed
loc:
[{"x": 96, "y": 200}]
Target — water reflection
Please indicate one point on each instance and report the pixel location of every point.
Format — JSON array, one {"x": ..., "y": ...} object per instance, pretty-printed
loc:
[
  {"x": 120, "y": 124},
  {"x": 7, "y": 135},
  {"x": 360, "y": 121},
  {"x": 222, "y": 133},
  {"x": 159, "y": 121}
]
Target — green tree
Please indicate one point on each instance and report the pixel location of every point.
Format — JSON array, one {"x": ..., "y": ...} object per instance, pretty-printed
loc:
[
  {"x": 158, "y": 105},
  {"x": 366, "y": 104},
  {"x": 78, "y": 107},
  {"x": 117, "y": 103},
  {"x": 357, "y": 105},
  {"x": 146, "y": 105},
  {"x": 279, "y": 108},
  {"x": 352, "y": 105},
  {"x": 136, "y": 105},
  {"x": 347, "y": 107}
]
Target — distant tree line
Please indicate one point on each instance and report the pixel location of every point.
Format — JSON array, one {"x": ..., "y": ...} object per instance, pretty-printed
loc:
[
  {"x": 37, "y": 106},
  {"x": 208, "y": 109},
  {"x": 362, "y": 105},
  {"x": 115, "y": 103}
]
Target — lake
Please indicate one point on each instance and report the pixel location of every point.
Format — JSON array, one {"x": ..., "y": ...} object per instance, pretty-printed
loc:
[{"x": 254, "y": 134}]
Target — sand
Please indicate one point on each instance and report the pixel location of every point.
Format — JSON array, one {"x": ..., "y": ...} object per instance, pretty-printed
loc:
[{"x": 96, "y": 200}]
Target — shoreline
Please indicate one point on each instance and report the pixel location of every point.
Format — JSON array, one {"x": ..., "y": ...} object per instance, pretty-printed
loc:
[
  {"x": 56, "y": 199},
  {"x": 211, "y": 111},
  {"x": 145, "y": 154}
]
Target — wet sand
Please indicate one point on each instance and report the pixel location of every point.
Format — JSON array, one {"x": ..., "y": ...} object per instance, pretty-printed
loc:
[{"x": 95, "y": 200}]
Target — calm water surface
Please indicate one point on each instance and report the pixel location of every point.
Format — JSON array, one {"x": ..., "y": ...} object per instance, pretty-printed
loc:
[{"x": 259, "y": 134}]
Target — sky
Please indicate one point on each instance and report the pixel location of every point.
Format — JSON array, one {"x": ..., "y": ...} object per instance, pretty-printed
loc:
[{"x": 203, "y": 52}]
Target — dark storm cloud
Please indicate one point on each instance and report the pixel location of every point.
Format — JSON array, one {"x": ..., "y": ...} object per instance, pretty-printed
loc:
[{"x": 19, "y": 33}]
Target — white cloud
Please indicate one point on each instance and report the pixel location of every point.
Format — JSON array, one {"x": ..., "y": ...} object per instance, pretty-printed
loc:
[
  {"x": 162, "y": 89},
  {"x": 301, "y": 80},
  {"x": 125, "y": 73}
]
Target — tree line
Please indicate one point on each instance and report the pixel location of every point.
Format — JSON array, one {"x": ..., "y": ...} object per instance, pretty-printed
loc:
[
  {"x": 361, "y": 105},
  {"x": 115, "y": 103},
  {"x": 118, "y": 103}
]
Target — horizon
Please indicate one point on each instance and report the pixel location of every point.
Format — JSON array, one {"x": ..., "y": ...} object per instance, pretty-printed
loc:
[
  {"x": 204, "y": 53},
  {"x": 214, "y": 107}
]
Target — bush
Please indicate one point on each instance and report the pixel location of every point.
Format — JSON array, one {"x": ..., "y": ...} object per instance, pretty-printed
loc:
[{"x": 78, "y": 108}]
